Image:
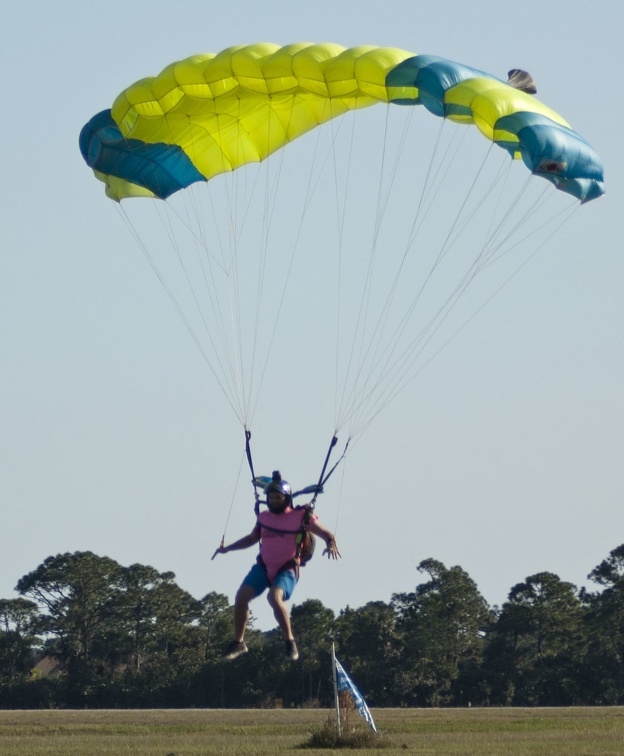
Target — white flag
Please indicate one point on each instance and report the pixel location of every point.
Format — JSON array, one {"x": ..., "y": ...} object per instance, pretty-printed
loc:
[{"x": 344, "y": 682}]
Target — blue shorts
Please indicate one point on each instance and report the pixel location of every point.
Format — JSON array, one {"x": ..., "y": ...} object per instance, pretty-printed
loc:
[{"x": 258, "y": 581}]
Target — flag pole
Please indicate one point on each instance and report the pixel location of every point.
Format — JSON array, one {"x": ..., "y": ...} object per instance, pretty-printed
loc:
[
  {"x": 336, "y": 699},
  {"x": 343, "y": 683}
]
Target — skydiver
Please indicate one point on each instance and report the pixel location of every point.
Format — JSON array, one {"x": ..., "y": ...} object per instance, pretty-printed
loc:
[{"x": 277, "y": 567}]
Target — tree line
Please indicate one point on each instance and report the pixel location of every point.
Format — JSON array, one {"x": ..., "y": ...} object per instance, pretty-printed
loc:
[{"x": 89, "y": 632}]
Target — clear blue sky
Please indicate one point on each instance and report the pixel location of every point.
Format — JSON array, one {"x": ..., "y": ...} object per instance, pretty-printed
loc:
[{"x": 505, "y": 457}]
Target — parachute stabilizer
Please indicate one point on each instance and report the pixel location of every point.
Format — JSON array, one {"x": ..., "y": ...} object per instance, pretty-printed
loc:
[{"x": 521, "y": 80}]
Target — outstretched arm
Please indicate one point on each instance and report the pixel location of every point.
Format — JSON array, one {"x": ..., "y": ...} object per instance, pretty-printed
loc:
[
  {"x": 243, "y": 543},
  {"x": 330, "y": 542}
]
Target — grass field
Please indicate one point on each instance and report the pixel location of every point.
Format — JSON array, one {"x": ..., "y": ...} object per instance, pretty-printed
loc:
[{"x": 550, "y": 732}]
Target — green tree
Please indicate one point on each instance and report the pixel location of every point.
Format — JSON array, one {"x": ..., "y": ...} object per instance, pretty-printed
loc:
[
  {"x": 443, "y": 625},
  {"x": 17, "y": 639},
  {"x": 78, "y": 593},
  {"x": 604, "y": 669},
  {"x": 215, "y": 625},
  {"x": 102, "y": 618},
  {"x": 537, "y": 644},
  {"x": 156, "y": 612},
  {"x": 313, "y": 625},
  {"x": 156, "y": 627},
  {"x": 369, "y": 644}
]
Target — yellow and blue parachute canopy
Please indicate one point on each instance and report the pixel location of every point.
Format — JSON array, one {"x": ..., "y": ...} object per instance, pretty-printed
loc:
[{"x": 216, "y": 112}]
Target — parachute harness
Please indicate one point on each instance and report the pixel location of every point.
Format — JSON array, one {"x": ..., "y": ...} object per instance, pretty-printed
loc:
[{"x": 305, "y": 540}]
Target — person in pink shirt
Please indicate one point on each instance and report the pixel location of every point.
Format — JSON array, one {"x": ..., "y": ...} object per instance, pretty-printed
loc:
[{"x": 277, "y": 568}]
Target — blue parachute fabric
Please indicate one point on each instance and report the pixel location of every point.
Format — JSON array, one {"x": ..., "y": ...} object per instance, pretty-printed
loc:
[
  {"x": 161, "y": 168},
  {"x": 433, "y": 76}
]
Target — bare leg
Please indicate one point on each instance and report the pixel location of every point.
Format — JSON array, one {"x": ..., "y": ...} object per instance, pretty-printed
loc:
[
  {"x": 280, "y": 610},
  {"x": 241, "y": 611}
]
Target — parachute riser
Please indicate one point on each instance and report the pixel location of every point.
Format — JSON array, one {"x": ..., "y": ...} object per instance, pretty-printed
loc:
[
  {"x": 251, "y": 468},
  {"x": 322, "y": 479}
]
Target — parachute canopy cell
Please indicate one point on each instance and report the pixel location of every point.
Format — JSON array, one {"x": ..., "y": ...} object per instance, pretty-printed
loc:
[{"x": 213, "y": 113}]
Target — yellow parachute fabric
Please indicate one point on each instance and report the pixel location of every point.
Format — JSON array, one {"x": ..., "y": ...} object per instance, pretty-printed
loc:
[{"x": 243, "y": 104}]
